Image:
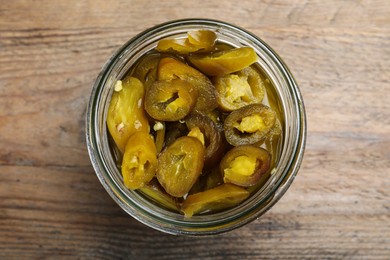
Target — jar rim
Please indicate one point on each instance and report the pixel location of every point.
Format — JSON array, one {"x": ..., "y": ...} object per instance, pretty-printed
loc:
[{"x": 93, "y": 129}]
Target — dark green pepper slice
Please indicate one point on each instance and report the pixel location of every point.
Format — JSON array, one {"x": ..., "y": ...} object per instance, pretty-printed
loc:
[
  {"x": 213, "y": 139},
  {"x": 213, "y": 178},
  {"x": 174, "y": 131},
  {"x": 249, "y": 124}
]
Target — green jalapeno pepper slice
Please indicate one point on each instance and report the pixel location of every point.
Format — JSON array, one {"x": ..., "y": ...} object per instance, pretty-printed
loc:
[
  {"x": 249, "y": 124},
  {"x": 139, "y": 163},
  {"x": 170, "y": 100},
  {"x": 224, "y": 62},
  {"x": 196, "y": 41},
  {"x": 244, "y": 165},
  {"x": 180, "y": 164},
  {"x": 221, "y": 197},
  {"x": 239, "y": 89},
  {"x": 170, "y": 69},
  {"x": 146, "y": 69},
  {"x": 213, "y": 139},
  {"x": 126, "y": 115},
  {"x": 154, "y": 191}
]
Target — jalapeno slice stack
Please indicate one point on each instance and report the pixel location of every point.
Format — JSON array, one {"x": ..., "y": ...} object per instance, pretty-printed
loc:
[{"x": 193, "y": 124}]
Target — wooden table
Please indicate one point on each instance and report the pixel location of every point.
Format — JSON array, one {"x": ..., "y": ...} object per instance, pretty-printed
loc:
[{"x": 52, "y": 204}]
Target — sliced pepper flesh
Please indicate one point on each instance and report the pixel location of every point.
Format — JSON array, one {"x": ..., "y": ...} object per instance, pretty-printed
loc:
[
  {"x": 245, "y": 165},
  {"x": 224, "y": 62},
  {"x": 203, "y": 38},
  {"x": 218, "y": 198},
  {"x": 213, "y": 178},
  {"x": 174, "y": 131},
  {"x": 196, "y": 136},
  {"x": 170, "y": 69},
  {"x": 170, "y": 100},
  {"x": 196, "y": 41},
  {"x": 125, "y": 112},
  {"x": 180, "y": 165},
  {"x": 249, "y": 124},
  {"x": 213, "y": 139},
  {"x": 159, "y": 129},
  {"x": 154, "y": 191},
  {"x": 239, "y": 89},
  {"x": 273, "y": 142},
  {"x": 195, "y": 132},
  {"x": 139, "y": 163},
  {"x": 146, "y": 69}
]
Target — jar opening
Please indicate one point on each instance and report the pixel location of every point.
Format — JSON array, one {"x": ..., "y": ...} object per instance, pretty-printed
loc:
[{"x": 287, "y": 97}]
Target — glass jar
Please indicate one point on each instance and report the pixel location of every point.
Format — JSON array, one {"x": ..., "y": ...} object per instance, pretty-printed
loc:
[{"x": 136, "y": 205}]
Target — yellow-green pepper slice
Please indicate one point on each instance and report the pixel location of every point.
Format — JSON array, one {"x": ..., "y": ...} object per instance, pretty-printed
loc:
[
  {"x": 126, "y": 114},
  {"x": 221, "y": 197},
  {"x": 212, "y": 138},
  {"x": 224, "y": 62},
  {"x": 154, "y": 191},
  {"x": 239, "y": 89},
  {"x": 146, "y": 69},
  {"x": 170, "y": 100},
  {"x": 170, "y": 69},
  {"x": 244, "y": 165},
  {"x": 139, "y": 163},
  {"x": 196, "y": 41},
  {"x": 180, "y": 164},
  {"x": 249, "y": 124}
]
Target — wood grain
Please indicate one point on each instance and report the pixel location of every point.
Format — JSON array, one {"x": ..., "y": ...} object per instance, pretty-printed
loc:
[{"x": 52, "y": 204}]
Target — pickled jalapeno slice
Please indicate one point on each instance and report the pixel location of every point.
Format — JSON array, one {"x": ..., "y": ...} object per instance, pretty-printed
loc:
[
  {"x": 272, "y": 141},
  {"x": 213, "y": 178},
  {"x": 249, "y": 124},
  {"x": 146, "y": 69},
  {"x": 224, "y": 62},
  {"x": 180, "y": 164},
  {"x": 139, "y": 163},
  {"x": 125, "y": 112},
  {"x": 170, "y": 100},
  {"x": 202, "y": 38},
  {"x": 174, "y": 131},
  {"x": 212, "y": 138},
  {"x": 197, "y": 133},
  {"x": 244, "y": 165},
  {"x": 181, "y": 46},
  {"x": 218, "y": 198},
  {"x": 239, "y": 89},
  {"x": 170, "y": 69},
  {"x": 196, "y": 41},
  {"x": 154, "y": 191}
]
